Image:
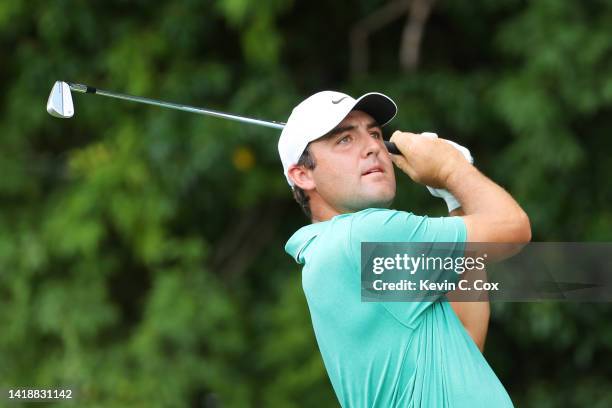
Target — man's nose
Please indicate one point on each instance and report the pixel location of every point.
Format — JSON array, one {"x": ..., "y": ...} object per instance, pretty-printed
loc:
[{"x": 372, "y": 145}]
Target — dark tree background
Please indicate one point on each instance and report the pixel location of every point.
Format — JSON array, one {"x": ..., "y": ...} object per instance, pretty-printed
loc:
[{"x": 141, "y": 249}]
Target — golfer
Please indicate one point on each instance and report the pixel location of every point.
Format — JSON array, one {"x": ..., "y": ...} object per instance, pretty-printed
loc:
[{"x": 389, "y": 354}]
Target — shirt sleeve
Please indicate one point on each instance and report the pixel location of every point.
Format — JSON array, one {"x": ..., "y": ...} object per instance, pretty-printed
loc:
[{"x": 382, "y": 225}]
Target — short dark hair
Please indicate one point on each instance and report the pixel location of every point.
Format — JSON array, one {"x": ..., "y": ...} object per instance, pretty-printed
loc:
[{"x": 306, "y": 160}]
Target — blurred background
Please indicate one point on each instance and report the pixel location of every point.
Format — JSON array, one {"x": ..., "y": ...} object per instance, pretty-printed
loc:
[{"x": 141, "y": 249}]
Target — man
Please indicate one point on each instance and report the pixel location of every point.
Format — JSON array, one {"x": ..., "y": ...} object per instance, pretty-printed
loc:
[{"x": 388, "y": 354}]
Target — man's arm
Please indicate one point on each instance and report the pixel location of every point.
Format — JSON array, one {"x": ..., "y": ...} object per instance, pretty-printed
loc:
[
  {"x": 489, "y": 212},
  {"x": 473, "y": 315},
  {"x": 491, "y": 215}
]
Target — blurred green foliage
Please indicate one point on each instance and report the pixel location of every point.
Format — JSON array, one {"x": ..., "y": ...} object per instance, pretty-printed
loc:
[{"x": 141, "y": 249}]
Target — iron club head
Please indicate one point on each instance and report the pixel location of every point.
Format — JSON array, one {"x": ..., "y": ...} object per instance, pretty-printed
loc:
[{"x": 60, "y": 101}]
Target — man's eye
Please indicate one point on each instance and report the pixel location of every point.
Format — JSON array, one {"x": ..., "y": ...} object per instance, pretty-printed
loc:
[
  {"x": 377, "y": 135},
  {"x": 344, "y": 139}
]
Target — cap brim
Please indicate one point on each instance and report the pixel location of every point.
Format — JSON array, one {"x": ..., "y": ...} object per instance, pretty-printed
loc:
[{"x": 379, "y": 106}]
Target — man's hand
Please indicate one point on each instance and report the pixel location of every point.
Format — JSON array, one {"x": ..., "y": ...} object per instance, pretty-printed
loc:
[
  {"x": 425, "y": 160},
  {"x": 491, "y": 214}
]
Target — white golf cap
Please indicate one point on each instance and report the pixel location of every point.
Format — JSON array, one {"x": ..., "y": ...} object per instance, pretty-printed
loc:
[{"x": 318, "y": 114}]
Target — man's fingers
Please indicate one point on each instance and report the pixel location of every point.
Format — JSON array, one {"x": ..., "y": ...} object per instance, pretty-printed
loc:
[
  {"x": 402, "y": 141},
  {"x": 397, "y": 132},
  {"x": 426, "y": 158},
  {"x": 403, "y": 165}
]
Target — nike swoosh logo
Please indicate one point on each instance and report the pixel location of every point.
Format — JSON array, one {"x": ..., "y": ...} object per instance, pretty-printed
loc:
[{"x": 339, "y": 100}]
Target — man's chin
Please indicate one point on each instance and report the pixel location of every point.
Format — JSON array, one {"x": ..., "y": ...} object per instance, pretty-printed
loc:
[
  {"x": 382, "y": 195},
  {"x": 377, "y": 201}
]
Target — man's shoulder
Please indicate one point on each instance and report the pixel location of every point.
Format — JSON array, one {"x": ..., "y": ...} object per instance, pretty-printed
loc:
[
  {"x": 379, "y": 212},
  {"x": 372, "y": 214},
  {"x": 359, "y": 223},
  {"x": 370, "y": 224},
  {"x": 384, "y": 225},
  {"x": 380, "y": 219}
]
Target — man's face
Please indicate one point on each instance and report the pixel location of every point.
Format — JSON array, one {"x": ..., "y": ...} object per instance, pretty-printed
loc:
[{"x": 353, "y": 169}]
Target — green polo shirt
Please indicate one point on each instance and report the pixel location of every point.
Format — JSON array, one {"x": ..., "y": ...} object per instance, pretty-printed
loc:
[{"x": 388, "y": 354}]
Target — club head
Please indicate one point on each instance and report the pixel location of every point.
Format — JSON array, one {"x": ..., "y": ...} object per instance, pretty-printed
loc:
[{"x": 60, "y": 101}]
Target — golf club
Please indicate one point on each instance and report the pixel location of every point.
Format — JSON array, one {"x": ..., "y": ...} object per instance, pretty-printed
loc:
[{"x": 60, "y": 105}]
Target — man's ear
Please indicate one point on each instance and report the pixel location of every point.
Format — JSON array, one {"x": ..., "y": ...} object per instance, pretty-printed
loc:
[{"x": 301, "y": 177}]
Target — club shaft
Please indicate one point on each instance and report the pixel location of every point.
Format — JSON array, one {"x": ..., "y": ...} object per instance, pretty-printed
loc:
[
  {"x": 186, "y": 108},
  {"x": 82, "y": 88}
]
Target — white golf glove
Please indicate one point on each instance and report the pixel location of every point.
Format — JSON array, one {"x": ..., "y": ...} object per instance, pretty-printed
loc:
[{"x": 451, "y": 201}]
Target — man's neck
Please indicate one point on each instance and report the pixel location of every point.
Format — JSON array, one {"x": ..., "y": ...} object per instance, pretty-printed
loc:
[{"x": 321, "y": 210}]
